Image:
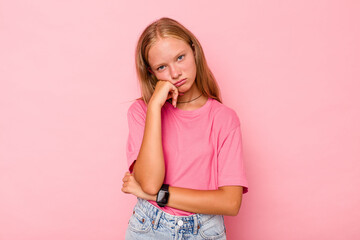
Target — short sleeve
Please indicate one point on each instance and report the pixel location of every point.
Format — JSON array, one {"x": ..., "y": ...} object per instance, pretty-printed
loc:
[
  {"x": 231, "y": 169},
  {"x": 136, "y": 122}
]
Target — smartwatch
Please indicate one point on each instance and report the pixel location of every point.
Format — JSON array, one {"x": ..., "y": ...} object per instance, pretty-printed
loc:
[{"x": 162, "y": 197}]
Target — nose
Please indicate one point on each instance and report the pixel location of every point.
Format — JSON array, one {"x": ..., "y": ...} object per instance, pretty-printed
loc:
[{"x": 175, "y": 71}]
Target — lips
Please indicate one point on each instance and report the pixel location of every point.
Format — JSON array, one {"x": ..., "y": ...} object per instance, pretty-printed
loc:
[{"x": 179, "y": 83}]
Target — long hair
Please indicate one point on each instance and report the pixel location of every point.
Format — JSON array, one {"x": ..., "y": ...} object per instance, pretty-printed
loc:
[{"x": 167, "y": 27}]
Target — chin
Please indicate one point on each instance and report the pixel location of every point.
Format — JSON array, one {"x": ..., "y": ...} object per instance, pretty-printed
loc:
[
  {"x": 184, "y": 90},
  {"x": 186, "y": 87}
]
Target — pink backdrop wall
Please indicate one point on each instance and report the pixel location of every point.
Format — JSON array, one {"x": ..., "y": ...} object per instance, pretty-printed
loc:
[{"x": 290, "y": 69}]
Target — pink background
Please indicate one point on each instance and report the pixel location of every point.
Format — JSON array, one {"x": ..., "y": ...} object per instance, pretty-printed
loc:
[{"x": 290, "y": 69}]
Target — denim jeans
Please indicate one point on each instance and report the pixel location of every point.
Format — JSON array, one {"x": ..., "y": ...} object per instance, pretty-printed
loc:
[{"x": 149, "y": 222}]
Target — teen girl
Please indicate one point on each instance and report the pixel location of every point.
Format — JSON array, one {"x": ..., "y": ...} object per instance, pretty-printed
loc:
[{"x": 184, "y": 146}]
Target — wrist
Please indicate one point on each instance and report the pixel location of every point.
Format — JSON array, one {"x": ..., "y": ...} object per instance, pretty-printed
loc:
[
  {"x": 154, "y": 105},
  {"x": 162, "y": 197},
  {"x": 152, "y": 197},
  {"x": 146, "y": 196}
]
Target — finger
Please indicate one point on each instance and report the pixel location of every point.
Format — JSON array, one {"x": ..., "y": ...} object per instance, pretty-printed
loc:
[
  {"x": 124, "y": 190},
  {"x": 175, "y": 96},
  {"x": 131, "y": 179},
  {"x": 126, "y": 179}
]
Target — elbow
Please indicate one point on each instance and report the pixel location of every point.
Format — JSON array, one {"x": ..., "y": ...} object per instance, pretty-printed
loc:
[
  {"x": 150, "y": 189},
  {"x": 234, "y": 212},
  {"x": 234, "y": 207},
  {"x": 148, "y": 186}
]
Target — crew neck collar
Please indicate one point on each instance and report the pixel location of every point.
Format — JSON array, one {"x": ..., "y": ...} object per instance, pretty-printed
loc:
[{"x": 190, "y": 112}]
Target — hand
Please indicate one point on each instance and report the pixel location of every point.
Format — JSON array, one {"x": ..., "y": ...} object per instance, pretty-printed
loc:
[
  {"x": 131, "y": 186},
  {"x": 164, "y": 90}
]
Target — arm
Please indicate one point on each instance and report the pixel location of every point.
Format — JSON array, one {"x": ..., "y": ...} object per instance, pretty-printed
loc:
[
  {"x": 151, "y": 156},
  {"x": 224, "y": 201}
]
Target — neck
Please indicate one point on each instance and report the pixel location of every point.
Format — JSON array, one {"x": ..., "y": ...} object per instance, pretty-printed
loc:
[
  {"x": 192, "y": 105},
  {"x": 189, "y": 95},
  {"x": 191, "y": 100}
]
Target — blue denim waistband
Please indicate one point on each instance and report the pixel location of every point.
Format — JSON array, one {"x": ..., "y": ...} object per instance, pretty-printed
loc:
[{"x": 157, "y": 215}]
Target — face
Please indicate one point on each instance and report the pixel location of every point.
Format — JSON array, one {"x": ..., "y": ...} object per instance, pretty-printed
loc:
[{"x": 173, "y": 60}]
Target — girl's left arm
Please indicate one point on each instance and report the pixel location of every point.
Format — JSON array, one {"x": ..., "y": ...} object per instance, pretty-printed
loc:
[{"x": 224, "y": 201}]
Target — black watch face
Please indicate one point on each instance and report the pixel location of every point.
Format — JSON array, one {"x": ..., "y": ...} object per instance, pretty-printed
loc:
[{"x": 162, "y": 197}]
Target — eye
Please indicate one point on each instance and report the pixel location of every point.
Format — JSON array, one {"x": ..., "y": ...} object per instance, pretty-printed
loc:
[
  {"x": 181, "y": 57},
  {"x": 160, "y": 68}
]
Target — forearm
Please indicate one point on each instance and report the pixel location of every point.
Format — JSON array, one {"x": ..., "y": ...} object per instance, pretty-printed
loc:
[
  {"x": 220, "y": 202},
  {"x": 149, "y": 168}
]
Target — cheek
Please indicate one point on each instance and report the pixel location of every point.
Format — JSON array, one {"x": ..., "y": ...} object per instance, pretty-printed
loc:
[
  {"x": 163, "y": 75},
  {"x": 190, "y": 66}
]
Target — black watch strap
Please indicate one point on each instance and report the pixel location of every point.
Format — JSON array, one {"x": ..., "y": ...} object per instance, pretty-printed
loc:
[{"x": 162, "y": 197}]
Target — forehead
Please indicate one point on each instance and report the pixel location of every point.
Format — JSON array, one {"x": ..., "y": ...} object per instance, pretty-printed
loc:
[{"x": 165, "y": 49}]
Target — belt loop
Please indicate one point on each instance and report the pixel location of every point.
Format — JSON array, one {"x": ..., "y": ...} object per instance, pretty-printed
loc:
[
  {"x": 196, "y": 224},
  {"x": 157, "y": 219}
]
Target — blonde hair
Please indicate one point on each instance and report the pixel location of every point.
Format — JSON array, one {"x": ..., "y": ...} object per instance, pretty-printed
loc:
[{"x": 167, "y": 27}]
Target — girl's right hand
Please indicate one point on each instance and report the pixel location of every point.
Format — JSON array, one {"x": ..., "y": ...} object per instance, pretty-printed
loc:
[{"x": 164, "y": 90}]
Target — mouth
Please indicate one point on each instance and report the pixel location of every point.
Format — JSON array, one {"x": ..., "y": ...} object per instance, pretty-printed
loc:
[{"x": 181, "y": 82}]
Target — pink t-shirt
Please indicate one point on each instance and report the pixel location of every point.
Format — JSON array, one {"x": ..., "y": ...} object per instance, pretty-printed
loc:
[{"x": 202, "y": 148}]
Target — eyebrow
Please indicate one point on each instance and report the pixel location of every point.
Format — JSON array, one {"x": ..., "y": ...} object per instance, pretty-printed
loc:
[{"x": 160, "y": 64}]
